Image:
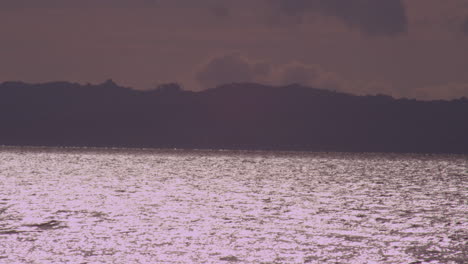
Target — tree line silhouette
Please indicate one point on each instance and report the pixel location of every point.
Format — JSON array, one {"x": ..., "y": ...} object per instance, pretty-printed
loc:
[{"x": 232, "y": 116}]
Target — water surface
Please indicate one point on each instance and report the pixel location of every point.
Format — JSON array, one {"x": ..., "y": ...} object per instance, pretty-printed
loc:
[{"x": 157, "y": 206}]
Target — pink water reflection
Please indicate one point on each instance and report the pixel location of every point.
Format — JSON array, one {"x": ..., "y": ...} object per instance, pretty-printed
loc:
[{"x": 213, "y": 207}]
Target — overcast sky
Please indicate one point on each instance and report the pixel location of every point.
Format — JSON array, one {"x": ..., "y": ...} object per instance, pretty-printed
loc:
[{"x": 406, "y": 48}]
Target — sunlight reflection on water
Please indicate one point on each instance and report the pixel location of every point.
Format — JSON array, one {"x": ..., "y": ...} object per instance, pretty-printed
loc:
[{"x": 149, "y": 206}]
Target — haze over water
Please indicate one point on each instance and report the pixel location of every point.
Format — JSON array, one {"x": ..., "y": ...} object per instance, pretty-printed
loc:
[{"x": 159, "y": 206}]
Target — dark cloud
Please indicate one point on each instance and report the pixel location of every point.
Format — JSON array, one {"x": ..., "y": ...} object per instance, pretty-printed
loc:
[
  {"x": 371, "y": 17},
  {"x": 76, "y": 3},
  {"x": 464, "y": 27},
  {"x": 221, "y": 11}
]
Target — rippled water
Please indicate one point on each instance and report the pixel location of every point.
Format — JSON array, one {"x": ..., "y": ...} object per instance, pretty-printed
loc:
[{"x": 129, "y": 206}]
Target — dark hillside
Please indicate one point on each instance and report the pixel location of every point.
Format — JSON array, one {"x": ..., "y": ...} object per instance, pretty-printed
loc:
[{"x": 235, "y": 116}]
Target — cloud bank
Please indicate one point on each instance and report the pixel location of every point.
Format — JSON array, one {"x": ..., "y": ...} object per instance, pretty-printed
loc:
[
  {"x": 371, "y": 17},
  {"x": 229, "y": 68},
  {"x": 234, "y": 68},
  {"x": 77, "y": 3},
  {"x": 464, "y": 27}
]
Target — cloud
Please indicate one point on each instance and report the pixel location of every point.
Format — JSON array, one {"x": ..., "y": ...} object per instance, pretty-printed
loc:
[
  {"x": 220, "y": 11},
  {"x": 371, "y": 17},
  {"x": 229, "y": 68},
  {"x": 464, "y": 26},
  {"x": 76, "y": 3},
  {"x": 233, "y": 67}
]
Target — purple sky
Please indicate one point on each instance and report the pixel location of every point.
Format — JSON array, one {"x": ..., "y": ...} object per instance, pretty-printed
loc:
[{"x": 410, "y": 48}]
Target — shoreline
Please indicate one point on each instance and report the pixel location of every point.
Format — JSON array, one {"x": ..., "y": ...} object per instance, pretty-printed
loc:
[{"x": 233, "y": 150}]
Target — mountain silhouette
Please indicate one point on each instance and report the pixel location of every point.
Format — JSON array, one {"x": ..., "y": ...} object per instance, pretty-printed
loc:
[{"x": 233, "y": 116}]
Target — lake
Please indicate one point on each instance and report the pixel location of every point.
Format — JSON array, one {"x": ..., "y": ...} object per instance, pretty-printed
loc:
[{"x": 175, "y": 206}]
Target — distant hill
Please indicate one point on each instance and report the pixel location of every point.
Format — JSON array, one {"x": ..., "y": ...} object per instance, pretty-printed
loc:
[{"x": 234, "y": 116}]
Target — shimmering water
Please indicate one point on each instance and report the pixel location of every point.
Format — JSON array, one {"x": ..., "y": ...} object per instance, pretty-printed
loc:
[{"x": 129, "y": 206}]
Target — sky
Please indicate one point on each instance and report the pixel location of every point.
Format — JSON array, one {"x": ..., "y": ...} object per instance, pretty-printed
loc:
[{"x": 404, "y": 48}]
